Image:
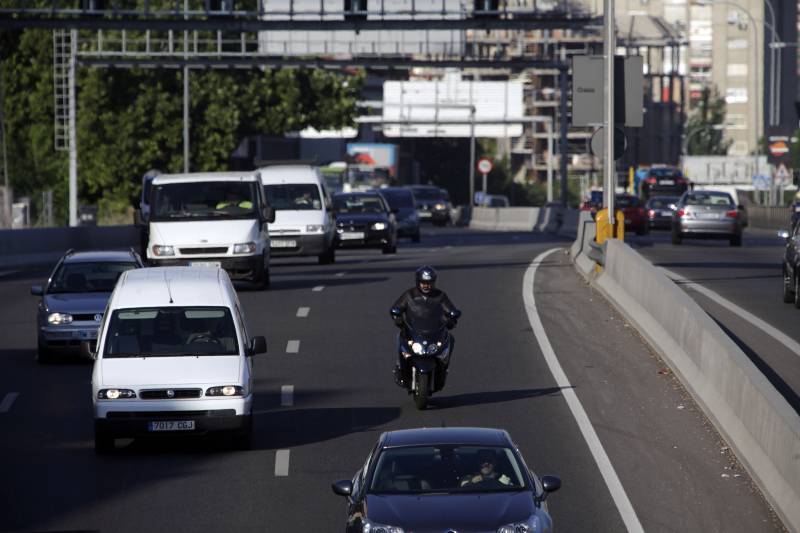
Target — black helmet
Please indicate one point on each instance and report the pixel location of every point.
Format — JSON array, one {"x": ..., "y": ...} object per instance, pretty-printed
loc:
[{"x": 426, "y": 275}]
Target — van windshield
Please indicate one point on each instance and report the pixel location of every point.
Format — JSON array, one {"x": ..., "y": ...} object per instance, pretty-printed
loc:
[
  {"x": 205, "y": 200},
  {"x": 171, "y": 332},
  {"x": 293, "y": 196}
]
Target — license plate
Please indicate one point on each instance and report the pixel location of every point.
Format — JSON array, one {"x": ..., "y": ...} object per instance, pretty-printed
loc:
[
  {"x": 666, "y": 213},
  {"x": 666, "y": 182},
  {"x": 352, "y": 235},
  {"x": 282, "y": 243},
  {"x": 205, "y": 264},
  {"x": 171, "y": 425},
  {"x": 708, "y": 216},
  {"x": 424, "y": 214}
]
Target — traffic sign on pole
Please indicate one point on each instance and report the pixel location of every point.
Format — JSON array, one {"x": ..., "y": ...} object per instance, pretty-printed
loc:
[{"x": 485, "y": 165}]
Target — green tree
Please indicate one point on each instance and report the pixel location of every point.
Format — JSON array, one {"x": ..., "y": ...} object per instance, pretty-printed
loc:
[{"x": 704, "y": 138}]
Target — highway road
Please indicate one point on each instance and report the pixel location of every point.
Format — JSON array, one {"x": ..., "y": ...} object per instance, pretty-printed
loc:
[
  {"x": 583, "y": 397},
  {"x": 741, "y": 289}
]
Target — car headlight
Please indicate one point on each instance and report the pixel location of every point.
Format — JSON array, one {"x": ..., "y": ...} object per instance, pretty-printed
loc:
[
  {"x": 225, "y": 390},
  {"x": 244, "y": 248},
  {"x": 314, "y": 228},
  {"x": 439, "y": 207},
  {"x": 416, "y": 348},
  {"x": 58, "y": 319},
  {"x": 379, "y": 226},
  {"x": 371, "y": 527},
  {"x": 531, "y": 525},
  {"x": 160, "y": 250},
  {"x": 115, "y": 394}
]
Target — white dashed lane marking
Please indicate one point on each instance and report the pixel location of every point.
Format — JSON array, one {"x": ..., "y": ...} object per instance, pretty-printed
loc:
[
  {"x": 340, "y": 274},
  {"x": 318, "y": 288},
  {"x": 8, "y": 401},
  {"x": 293, "y": 347},
  {"x": 287, "y": 395},
  {"x": 282, "y": 463},
  {"x": 302, "y": 312}
]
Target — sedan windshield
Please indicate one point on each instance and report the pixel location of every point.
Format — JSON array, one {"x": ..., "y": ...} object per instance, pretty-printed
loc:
[
  {"x": 293, "y": 196},
  {"x": 709, "y": 198},
  {"x": 358, "y": 203},
  {"x": 398, "y": 199},
  {"x": 430, "y": 194},
  {"x": 452, "y": 468},
  {"x": 87, "y": 277},
  {"x": 208, "y": 200},
  {"x": 170, "y": 332},
  {"x": 662, "y": 202}
]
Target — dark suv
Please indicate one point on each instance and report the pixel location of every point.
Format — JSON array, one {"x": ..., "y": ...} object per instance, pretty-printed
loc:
[
  {"x": 74, "y": 300},
  {"x": 665, "y": 181}
]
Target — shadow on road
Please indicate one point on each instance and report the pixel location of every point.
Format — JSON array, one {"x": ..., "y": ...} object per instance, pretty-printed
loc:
[{"x": 482, "y": 398}]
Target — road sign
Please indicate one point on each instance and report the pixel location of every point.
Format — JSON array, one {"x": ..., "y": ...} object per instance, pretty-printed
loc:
[
  {"x": 762, "y": 182},
  {"x": 598, "y": 143},
  {"x": 779, "y": 148},
  {"x": 782, "y": 174},
  {"x": 484, "y": 166},
  {"x": 588, "y": 87}
]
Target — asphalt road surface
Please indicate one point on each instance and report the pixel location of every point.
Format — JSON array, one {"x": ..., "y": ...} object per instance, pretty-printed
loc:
[
  {"x": 324, "y": 392},
  {"x": 745, "y": 282}
]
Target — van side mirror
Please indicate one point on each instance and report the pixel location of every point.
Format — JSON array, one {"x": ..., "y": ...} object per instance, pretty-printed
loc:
[
  {"x": 257, "y": 345},
  {"x": 269, "y": 214},
  {"x": 37, "y": 290}
]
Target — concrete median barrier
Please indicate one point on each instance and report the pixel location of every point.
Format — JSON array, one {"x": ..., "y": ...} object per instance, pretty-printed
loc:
[
  {"x": 569, "y": 223},
  {"x": 43, "y": 246},
  {"x": 754, "y": 418},
  {"x": 579, "y": 251},
  {"x": 504, "y": 218}
]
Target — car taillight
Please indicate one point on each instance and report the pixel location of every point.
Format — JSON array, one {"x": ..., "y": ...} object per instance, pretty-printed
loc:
[
  {"x": 651, "y": 180},
  {"x": 682, "y": 213},
  {"x": 732, "y": 214},
  {"x": 651, "y": 213}
]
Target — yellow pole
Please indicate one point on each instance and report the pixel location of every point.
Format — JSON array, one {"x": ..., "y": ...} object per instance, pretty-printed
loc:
[{"x": 630, "y": 181}]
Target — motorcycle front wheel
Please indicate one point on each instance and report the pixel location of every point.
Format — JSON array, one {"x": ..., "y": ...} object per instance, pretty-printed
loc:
[{"x": 422, "y": 391}]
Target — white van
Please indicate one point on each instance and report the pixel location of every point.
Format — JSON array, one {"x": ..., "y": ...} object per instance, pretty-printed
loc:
[
  {"x": 304, "y": 222},
  {"x": 215, "y": 219},
  {"x": 173, "y": 357}
]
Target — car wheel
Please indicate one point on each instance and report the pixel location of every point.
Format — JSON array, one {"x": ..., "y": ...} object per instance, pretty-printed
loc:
[
  {"x": 788, "y": 292},
  {"x": 390, "y": 249},
  {"x": 243, "y": 439},
  {"x": 261, "y": 277},
  {"x": 329, "y": 256},
  {"x": 103, "y": 442},
  {"x": 416, "y": 237},
  {"x": 43, "y": 355},
  {"x": 641, "y": 231},
  {"x": 736, "y": 240},
  {"x": 676, "y": 237}
]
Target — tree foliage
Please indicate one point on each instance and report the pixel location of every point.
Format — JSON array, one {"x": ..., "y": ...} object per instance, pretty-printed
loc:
[
  {"x": 130, "y": 120},
  {"x": 703, "y": 137}
]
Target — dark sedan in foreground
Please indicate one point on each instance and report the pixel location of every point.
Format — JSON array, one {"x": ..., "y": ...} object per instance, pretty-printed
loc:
[
  {"x": 364, "y": 220},
  {"x": 74, "y": 299},
  {"x": 437, "y": 480},
  {"x": 707, "y": 215},
  {"x": 659, "y": 211}
]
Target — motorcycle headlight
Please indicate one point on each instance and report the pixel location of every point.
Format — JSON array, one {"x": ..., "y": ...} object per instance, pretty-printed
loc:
[
  {"x": 115, "y": 394},
  {"x": 314, "y": 228},
  {"x": 378, "y": 226},
  {"x": 416, "y": 348},
  {"x": 244, "y": 248},
  {"x": 531, "y": 525},
  {"x": 372, "y": 527},
  {"x": 433, "y": 348},
  {"x": 160, "y": 250},
  {"x": 58, "y": 319}
]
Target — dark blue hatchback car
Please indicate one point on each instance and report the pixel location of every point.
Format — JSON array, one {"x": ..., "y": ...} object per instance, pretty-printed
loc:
[
  {"x": 74, "y": 299},
  {"x": 446, "y": 479}
]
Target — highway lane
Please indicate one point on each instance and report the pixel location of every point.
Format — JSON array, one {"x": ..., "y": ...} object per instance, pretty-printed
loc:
[
  {"x": 343, "y": 396},
  {"x": 750, "y": 278}
]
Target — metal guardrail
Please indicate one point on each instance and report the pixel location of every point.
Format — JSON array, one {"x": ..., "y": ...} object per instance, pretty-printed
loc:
[{"x": 769, "y": 217}]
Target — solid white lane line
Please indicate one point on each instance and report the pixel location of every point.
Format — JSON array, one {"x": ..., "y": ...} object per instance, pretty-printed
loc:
[
  {"x": 282, "y": 463},
  {"x": 302, "y": 312},
  {"x": 293, "y": 347},
  {"x": 772, "y": 331},
  {"x": 287, "y": 395},
  {"x": 8, "y": 401},
  {"x": 607, "y": 471},
  {"x": 318, "y": 288}
]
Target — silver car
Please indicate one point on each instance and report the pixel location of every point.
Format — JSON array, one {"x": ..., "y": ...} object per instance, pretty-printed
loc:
[{"x": 707, "y": 215}]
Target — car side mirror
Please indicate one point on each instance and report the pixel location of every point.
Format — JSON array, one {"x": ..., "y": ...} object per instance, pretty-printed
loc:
[
  {"x": 343, "y": 487},
  {"x": 396, "y": 313},
  {"x": 782, "y": 234},
  {"x": 258, "y": 345},
  {"x": 37, "y": 290},
  {"x": 455, "y": 314},
  {"x": 269, "y": 214},
  {"x": 549, "y": 484}
]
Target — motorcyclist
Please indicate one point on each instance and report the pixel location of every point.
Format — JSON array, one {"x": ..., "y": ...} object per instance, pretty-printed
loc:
[{"x": 422, "y": 303}]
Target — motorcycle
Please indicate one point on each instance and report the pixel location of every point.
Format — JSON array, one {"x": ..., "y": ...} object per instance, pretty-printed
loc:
[{"x": 426, "y": 352}]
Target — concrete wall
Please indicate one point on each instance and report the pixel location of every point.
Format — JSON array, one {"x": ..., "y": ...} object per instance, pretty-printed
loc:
[
  {"x": 553, "y": 220},
  {"x": 44, "y": 246},
  {"x": 754, "y": 418}
]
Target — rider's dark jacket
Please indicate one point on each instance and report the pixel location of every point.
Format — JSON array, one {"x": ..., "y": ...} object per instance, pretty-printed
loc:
[{"x": 431, "y": 308}]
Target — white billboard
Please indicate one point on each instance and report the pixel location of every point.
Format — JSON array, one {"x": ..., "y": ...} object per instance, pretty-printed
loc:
[{"x": 424, "y": 108}]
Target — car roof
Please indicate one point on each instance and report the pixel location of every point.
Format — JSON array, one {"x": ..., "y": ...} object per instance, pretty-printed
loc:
[
  {"x": 165, "y": 286},
  {"x": 456, "y": 435},
  {"x": 432, "y": 187},
  {"x": 100, "y": 256},
  {"x": 357, "y": 193},
  {"x": 403, "y": 190},
  {"x": 162, "y": 179},
  {"x": 288, "y": 174}
]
